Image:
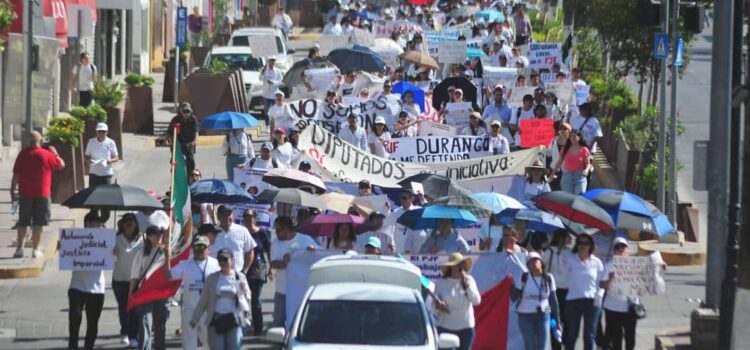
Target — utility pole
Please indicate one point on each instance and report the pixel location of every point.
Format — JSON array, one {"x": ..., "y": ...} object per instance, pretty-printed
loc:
[
  {"x": 663, "y": 115},
  {"x": 718, "y": 148},
  {"x": 672, "y": 202},
  {"x": 27, "y": 65},
  {"x": 741, "y": 339}
]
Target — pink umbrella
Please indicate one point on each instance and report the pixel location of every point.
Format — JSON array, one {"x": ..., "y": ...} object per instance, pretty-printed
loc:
[
  {"x": 325, "y": 224},
  {"x": 292, "y": 178}
]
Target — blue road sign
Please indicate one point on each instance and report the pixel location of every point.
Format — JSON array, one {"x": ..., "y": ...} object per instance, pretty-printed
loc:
[
  {"x": 661, "y": 46},
  {"x": 678, "y": 59},
  {"x": 181, "y": 26}
]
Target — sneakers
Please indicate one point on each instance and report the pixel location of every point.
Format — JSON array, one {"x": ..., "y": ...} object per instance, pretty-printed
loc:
[
  {"x": 133, "y": 344},
  {"x": 18, "y": 253},
  {"x": 125, "y": 340},
  {"x": 36, "y": 253}
]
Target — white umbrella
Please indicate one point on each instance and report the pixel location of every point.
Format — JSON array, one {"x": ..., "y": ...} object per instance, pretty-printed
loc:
[{"x": 388, "y": 50}]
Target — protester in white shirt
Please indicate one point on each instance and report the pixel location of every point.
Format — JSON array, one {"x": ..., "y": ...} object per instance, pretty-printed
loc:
[
  {"x": 536, "y": 182},
  {"x": 283, "y": 22},
  {"x": 82, "y": 80},
  {"x": 535, "y": 302},
  {"x": 283, "y": 248},
  {"x": 265, "y": 161},
  {"x": 526, "y": 111},
  {"x": 377, "y": 136},
  {"x": 457, "y": 294},
  {"x": 498, "y": 142},
  {"x": 404, "y": 126},
  {"x": 559, "y": 249},
  {"x": 475, "y": 127},
  {"x": 280, "y": 114},
  {"x": 235, "y": 238},
  {"x": 346, "y": 87},
  {"x": 332, "y": 27},
  {"x": 589, "y": 125},
  {"x": 101, "y": 152},
  {"x": 284, "y": 153},
  {"x": 412, "y": 239},
  {"x": 353, "y": 133},
  {"x": 271, "y": 78},
  {"x": 517, "y": 59},
  {"x": 237, "y": 149},
  {"x": 376, "y": 221},
  {"x": 584, "y": 271},
  {"x": 616, "y": 307},
  {"x": 153, "y": 314},
  {"x": 193, "y": 273},
  {"x": 128, "y": 244}
]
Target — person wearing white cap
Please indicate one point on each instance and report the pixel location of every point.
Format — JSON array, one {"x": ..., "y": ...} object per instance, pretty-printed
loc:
[
  {"x": 616, "y": 307},
  {"x": 101, "y": 152},
  {"x": 535, "y": 302},
  {"x": 476, "y": 126},
  {"x": 271, "y": 77},
  {"x": 379, "y": 134},
  {"x": 279, "y": 113},
  {"x": 498, "y": 143},
  {"x": 264, "y": 161}
]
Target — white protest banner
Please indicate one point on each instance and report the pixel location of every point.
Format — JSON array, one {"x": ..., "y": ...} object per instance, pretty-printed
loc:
[
  {"x": 432, "y": 149},
  {"x": 458, "y": 113},
  {"x": 250, "y": 177},
  {"x": 564, "y": 92},
  {"x": 433, "y": 40},
  {"x": 330, "y": 116},
  {"x": 544, "y": 55},
  {"x": 384, "y": 29},
  {"x": 430, "y": 128},
  {"x": 264, "y": 217},
  {"x": 352, "y": 100},
  {"x": 637, "y": 276},
  {"x": 499, "y": 75},
  {"x": 301, "y": 92},
  {"x": 517, "y": 94},
  {"x": 321, "y": 78},
  {"x": 475, "y": 43},
  {"x": 263, "y": 46},
  {"x": 463, "y": 28},
  {"x": 87, "y": 249},
  {"x": 582, "y": 93},
  {"x": 363, "y": 37},
  {"x": 451, "y": 52},
  {"x": 339, "y": 161},
  {"x": 549, "y": 77},
  {"x": 329, "y": 43}
]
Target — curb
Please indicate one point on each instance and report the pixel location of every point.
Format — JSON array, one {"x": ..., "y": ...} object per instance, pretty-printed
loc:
[
  {"x": 689, "y": 253},
  {"x": 604, "y": 172}
]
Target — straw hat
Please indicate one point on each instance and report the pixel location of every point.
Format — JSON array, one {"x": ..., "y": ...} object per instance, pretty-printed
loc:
[
  {"x": 456, "y": 259},
  {"x": 537, "y": 165}
]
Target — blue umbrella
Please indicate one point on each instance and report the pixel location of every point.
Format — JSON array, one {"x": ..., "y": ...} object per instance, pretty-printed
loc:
[
  {"x": 229, "y": 120},
  {"x": 497, "y": 202},
  {"x": 491, "y": 15},
  {"x": 357, "y": 58},
  {"x": 402, "y": 87},
  {"x": 218, "y": 191},
  {"x": 428, "y": 218},
  {"x": 538, "y": 220},
  {"x": 630, "y": 211},
  {"x": 473, "y": 52}
]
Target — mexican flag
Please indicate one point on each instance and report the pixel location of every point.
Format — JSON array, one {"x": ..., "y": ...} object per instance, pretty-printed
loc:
[{"x": 154, "y": 286}]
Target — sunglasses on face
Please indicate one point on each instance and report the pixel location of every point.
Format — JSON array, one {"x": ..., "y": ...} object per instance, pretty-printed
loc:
[
  {"x": 403, "y": 198},
  {"x": 199, "y": 248},
  {"x": 620, "y": 246},
  {"x": 223, "y": 259},
  {"x": 584, "y": 243}
]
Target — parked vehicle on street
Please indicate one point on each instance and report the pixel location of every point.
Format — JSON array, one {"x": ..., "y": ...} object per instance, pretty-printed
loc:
[
  {"x": 240, "y": 57},
  {"x": 243, "y": 37}
]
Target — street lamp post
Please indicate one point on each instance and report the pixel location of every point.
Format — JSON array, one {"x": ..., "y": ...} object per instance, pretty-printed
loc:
[{"x": 29, "y": 48}]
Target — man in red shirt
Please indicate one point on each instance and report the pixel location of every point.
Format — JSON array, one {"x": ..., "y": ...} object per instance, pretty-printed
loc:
[{"x": 32, "y": 173}]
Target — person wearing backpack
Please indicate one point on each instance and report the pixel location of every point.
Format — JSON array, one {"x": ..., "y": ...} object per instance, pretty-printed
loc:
[
  {"x": 536, "y": 303},
  {"x": 237, "y": 148},
  {"x": 265, "y": 161},
  {"x": 82, "y": 80}
]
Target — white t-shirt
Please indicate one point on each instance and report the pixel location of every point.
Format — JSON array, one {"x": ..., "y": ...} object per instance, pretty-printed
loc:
[
  {"x": 583, "y": 277},
  {"x": 358, "y": 138},
  {"x": 535, "y": 294},
  {"x": 499, "y": 144},
  {"x": 125, "y": 252},
  {"x": 238, "y": 240},
  {"x": 100, "y": 154},
  {"x": 259, "y": 163},
  {"x": 346, "y": 89},
  {"x": 282, "y": 117},
  {"x": 590, "y": 130},
  {"x": 495, "y": 232},
  {"x": 193, "y": 274},
  {"x": 413, "y": 239},
  {"x": 227, "y": 289},
  {"x": 612, "y": 302},
  {"x": 157, "y": 218},
  {"x": 273, "y": 75},
  {"x": 85, "y": 77},
  {"x": 460, "y": 303},
  {"x": 279, "y": 248},
  {"x": 240, "y": 145},
  {"x": 534, "y": 189},
  {"x": 516, "y": 119},
  {"x": 284, "y": 155},
  {"x": 378, "y": 142},
  {"x": 553, "y": 262},
  {"x": 88, "y": 281},
  {"x": 141, "y": 263}
]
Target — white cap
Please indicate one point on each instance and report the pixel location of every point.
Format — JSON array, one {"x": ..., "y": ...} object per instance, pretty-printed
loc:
[
  {"x": 532, "y": 256},
  {"x": 620, "y": 240},
  {"x": 102, "y": 127},
  {"x": 380, "y": 120},
  {"x": 279, "y": 92}
]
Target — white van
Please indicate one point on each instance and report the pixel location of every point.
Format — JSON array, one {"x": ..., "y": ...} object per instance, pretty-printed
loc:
[
  {"x": 243, "y": 36},
  {"x": 363, "y": 302}
]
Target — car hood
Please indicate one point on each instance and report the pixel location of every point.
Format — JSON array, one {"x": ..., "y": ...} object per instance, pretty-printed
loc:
[
  {"x": 250, "y": 77},
  {"x": 305, "y": 346}
]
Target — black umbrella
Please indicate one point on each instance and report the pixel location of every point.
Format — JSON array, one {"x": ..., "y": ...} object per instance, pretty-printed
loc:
[
  {"x": 113, "y": 197},
  {"x": 292, "y": 196},
  {"x": 293, "y": 76},
  {"x": 357, "y": 58},
  {"x": 436, "y": 186},
  {"x": 440, "y": 92},
  {"x": 576, "y": 208}
]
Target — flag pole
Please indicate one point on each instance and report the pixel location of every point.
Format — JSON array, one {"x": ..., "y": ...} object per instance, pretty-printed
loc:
[{"x": 172, "y": 165}]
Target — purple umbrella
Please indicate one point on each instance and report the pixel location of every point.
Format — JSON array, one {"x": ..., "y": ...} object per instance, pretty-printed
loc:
[{"x": 325, "y": 224}]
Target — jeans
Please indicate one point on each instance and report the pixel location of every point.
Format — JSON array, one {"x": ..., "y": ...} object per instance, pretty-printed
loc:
[
  {"x": 85, "y": 98},
  {"x": 77, "y": 302},
  {"x": 129, "y": 320},
  {"x": 617, "y": 322},
  {"x": 96, "y": 180},
  {"x": 465, "y": 336},
  {"x": 231, "y": 161},
  {"x": 574, "y": 310},
  {"x": 573, "y": 182},
  {"x": 190, "y": 334},
  {"x": 562, "y": 294},
  {"x": 154, "y": 316},
  {"x": 279, "y": 310},
  {"x": 255, "y": 305},
  {"x": 267, "y": 103},
  {"x": 231, "y": 340},
  {"x": 535, "y": 330}
]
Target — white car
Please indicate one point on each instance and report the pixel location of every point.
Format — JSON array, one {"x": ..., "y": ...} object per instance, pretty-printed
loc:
[
  {"x": 362, "y": 302},
  {"x": 239, "y": 57},
  {"x": 243, "y": 36}
]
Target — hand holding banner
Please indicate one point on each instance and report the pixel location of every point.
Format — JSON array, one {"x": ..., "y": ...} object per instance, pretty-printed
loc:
[{"x": 537, "y": 132}]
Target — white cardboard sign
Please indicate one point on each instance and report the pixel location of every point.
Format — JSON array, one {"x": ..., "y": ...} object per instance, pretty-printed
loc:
[{"x": 87, "y": 249}]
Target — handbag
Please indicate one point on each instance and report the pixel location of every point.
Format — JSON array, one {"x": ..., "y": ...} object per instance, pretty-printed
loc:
[
  {"x": 259, "y": 270},
  {"x": 225, "y": 322},
  {"x": 637, "y": 310}
]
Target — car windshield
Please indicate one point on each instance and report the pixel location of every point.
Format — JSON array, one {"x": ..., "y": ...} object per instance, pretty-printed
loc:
[
  {"x": 241, "y": 61},
  {"x": 363, "y": 322},
  {"x": 244, "y": 40}
]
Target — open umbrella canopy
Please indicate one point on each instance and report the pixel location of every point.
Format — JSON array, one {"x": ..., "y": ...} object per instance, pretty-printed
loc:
[
  {"x": 490, "y": 15},
  {"x": 497, "y": 202},
  {"x": 325, "y": 224},
  {"x": 293, "y": 178},
  {"x": 420, "y": 59},
  {"x": 402, "y": 87},
  {"x": 428, "y": 217},
  {"x": 436, "y": 186},
  {"x": 630, "y": 211},
  {"x": 466, "y": 203},
  {"x": 113, "y": 197},
  {"x": 474, "y": 52},
  {"x": 357, "y": 58},
  {"x": 536, "y": 219},
  {"x": 440, "y": 92},
  {"x": 293, "y": 76},
  {"x": 228, "y": 121},
  {"x": 292, "y": 196},
  {"x": 218, "y": 191},
  {"x": 386, "y": 44},
  {"x": 576, "y": 208}
]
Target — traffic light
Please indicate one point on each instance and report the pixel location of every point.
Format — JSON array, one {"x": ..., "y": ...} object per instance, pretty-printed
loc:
[
  {"x": 649, "y": 13},
  {"x": 693, "y": 17}
]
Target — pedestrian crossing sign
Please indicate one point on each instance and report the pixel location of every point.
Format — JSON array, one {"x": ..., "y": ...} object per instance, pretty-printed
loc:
[
  {"x": 661, "y": 46},
  {"x": 678, "y": 60}
]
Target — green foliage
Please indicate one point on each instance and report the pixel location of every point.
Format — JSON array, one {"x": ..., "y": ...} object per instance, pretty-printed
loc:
[
  {"x": 7, "y": 16},
  {"x": 93, "y": 113},
  {"x": 108, "y": 93},
  {"x": 613, "y": 93},
  {"x": 136, "y": 80},
  {"x": 637, "y": 129},
  {"x": 649, "y": 179},
  {"x": 588, "y": 50},
  {"x": 65, "y": 129},
  {"x": 217, "y": 67}
]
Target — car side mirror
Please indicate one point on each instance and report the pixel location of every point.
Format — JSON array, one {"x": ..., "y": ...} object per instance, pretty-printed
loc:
[
  {"x": 445, "y": 341},
  {"x": 277, "y": 335}
]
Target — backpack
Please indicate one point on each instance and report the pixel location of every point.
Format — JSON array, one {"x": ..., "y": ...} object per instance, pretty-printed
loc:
[
  {"x": 273, "y": 163},
  {"x": 524, "y": 279}
]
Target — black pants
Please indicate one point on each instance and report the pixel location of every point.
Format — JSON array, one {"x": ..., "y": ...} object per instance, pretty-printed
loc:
[
  {"x": 96, "y": 180},
  {"x": 561, "y": 295},
  {"x": 92, "y": 303},
  {"x": 255, "y": 305},
  {"x": 85, "y": 98},
  {"x": 617, "y": 324},
  {"x": 129, "y": 320},
  {"x": 187, "y": 151}
]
